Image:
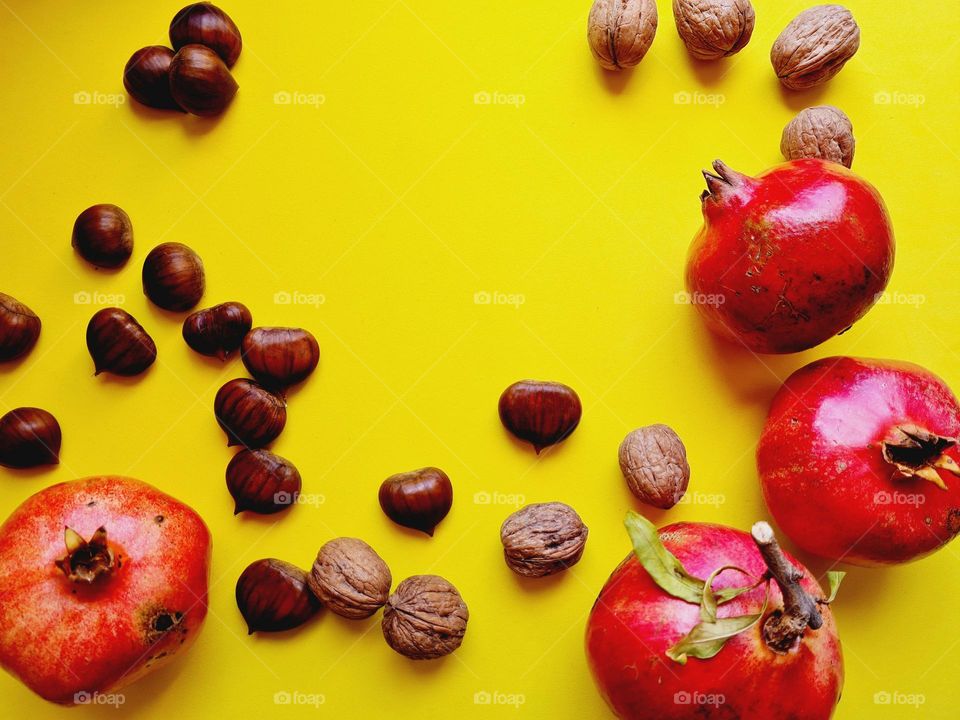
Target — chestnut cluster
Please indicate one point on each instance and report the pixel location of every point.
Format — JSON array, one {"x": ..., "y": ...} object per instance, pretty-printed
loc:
[{"x": 195, "y": 75}]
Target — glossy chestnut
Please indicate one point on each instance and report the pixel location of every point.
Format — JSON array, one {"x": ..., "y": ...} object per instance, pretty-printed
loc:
[
  {"x": 199, "y": 81},
  {"x": 250, "y": 414},
  {"x": 541, "y": 413},
  {"x": 173, "y": 277},
  {"x": 19, "y": 328},
  {"x": 217, "y": 331},
  {"x": 29, "y": 437},
  {"x": 418, "y": 499},
  {"x": 118, "y": 343},
  {"x": 103, "y": 235},
  {"x": 146, "y": 77},
  {"x": 262, "y": 482},
  {"x": 204, "y": 23},
  {"x": 273, "y": 595},
  {"x": 280, "y": 357}
]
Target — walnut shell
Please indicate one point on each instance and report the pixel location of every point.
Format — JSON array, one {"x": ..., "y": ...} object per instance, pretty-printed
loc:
[
  {"x": 654, "y": 462},
  {"x": 712, "y": 29},
  {"x": 350, "y": 578},
  {"x": 543, "y": 539},
  {"x": 823, "y": 132},
  {"x": 815, "y": 46},
  {"x": 621, "y": 31},
  {"x": 425, "y": 618}
]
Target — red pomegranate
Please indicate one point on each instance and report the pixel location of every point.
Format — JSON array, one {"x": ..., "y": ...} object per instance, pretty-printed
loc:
[
  {"x": 858, "y": 460},
  {"x": 786, "y": 665},
  {"x": 101, "y": 581},
  {"x": 790, "y": 258}
]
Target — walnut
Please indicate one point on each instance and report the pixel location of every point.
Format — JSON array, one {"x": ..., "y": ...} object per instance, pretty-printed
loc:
[
  {"x": 815, "y": 46},
  {"x": 621, "y": 31},
  {"x": 350, "y": 578},
  {"x": 712, "y": 29},
  {"x": 425, "y": 618},
  {"x": 654, "y": 462},
  {"x": 543, "y": 539},
  {"x": 819, "y": 132}
]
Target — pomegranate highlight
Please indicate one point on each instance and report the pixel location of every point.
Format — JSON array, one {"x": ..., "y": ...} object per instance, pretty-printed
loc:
[
  {"x": 858, "y": 460},
  {"x": 103, "y": 580},
  {"x": 706, "y": 621},
  {"x": 790, "y": 258}
]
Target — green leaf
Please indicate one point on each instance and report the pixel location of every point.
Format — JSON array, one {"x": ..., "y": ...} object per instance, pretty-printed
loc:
[
  {"x": 708, "y": 638},
  {"x": 834, "y": 578},
  {"x": 710, "y": 600},
  {"x": 663, "y": 566}
]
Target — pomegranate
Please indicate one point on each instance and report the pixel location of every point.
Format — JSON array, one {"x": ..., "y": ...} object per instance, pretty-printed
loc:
[
  {"x": 790, "y": 258},
  {"x": 654, "y": 656},
  {"x": 858, "y": 460},
  {"x": 101, "y": 581}
]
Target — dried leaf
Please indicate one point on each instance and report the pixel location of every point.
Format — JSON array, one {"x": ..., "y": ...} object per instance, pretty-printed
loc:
[
  {"x": 708, "y": 638},
  {"x": 834, "y": 578}
]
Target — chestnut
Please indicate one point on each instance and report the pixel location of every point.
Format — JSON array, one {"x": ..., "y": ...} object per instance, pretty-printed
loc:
[
  {"x": 542, "y": 413},
  {"x": 418, "y": 499},
  {"x": 173, "y": 277},
  {"x": 19, "y": 328},
  {"x": 199, "y": 81},
  {"x": 219, "y": 330},
  {"x": 147, "y": 77},
  {"x": 103, "y": 236},
  {"x": 204, "y": 23},
  {"x": 249, "y": 414},
  {"x": 280, "y": 357},
  {"x": 262, "y": 482},
  {"x": 273, "y": 595},
  {"x": 119, "y": 344},
  {"x": 29, "y": 437}
]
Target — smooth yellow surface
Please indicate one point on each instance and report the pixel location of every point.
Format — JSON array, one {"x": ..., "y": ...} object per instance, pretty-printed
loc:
[{"x": 386, "y": 191}]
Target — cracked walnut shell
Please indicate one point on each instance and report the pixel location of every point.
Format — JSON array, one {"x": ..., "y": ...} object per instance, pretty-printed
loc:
[
  {"x": 621, "y": 31},
  {"x": 425, "y": 618},
  {"x": 543, "y": 539},
  {"x": 712, "y": 29},
  {"x": 815, "y": 46},
  {"x": 823, "y": 132},
  {"x": 350, "y": 578},
  {"x": 654, "y": 462}
]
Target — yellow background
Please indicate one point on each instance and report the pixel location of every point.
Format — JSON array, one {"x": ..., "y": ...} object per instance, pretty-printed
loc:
[{"x": 397, "y": 199}]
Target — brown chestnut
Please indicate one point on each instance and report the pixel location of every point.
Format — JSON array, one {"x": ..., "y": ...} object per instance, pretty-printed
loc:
[
  {"x": 280, "y": 357},
  {"x": 173, "y": 277},
  {"x": 119, "y": 344},
  {"x": 249, "y": 414},
  {"x": 19, "y": 328},
  {"x": 219, "y": 330},
  {"x": 273, "y": 595},
  {"x": 418, "y": 499},
  {"x": 29, "y": 437},
  {"x": 262, "y": 482},
  {"x": 205, "y": 24},
  {"x": 542, "y": 413},
  {"x": 199, "y": 81},
  {"x": 103, "y": 236},
  {"x": 147, "y": 77}
]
